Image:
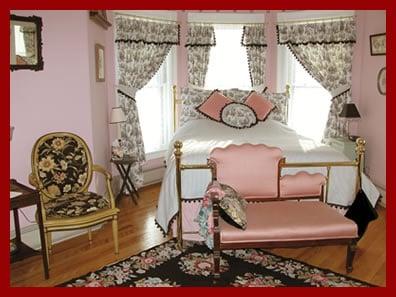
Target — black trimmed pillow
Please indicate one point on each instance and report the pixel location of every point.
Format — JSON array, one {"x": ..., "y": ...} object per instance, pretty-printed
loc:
[
  {"x": 233, "y": 207},
  {"x": 238, "y": 115}
]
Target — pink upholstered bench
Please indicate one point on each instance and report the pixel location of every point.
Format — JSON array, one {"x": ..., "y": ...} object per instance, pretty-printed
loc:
[
  {"x": 281, "y": 211},
  {"x": 279, "y": 220}
]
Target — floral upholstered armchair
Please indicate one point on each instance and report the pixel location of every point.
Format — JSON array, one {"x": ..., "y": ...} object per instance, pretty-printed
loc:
[{"x": 62, "y": 171}]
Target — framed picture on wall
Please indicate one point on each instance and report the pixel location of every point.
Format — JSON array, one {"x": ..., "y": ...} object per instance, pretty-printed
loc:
[
  {"x": 99, "y": 63},
  {"x": 378, "y": 44},
  {"x": 381, "y": 81},
  {"x": 100, "y": 17}
]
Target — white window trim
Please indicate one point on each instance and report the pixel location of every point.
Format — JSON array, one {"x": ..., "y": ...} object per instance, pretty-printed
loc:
[{"x": 224, "y": 18}]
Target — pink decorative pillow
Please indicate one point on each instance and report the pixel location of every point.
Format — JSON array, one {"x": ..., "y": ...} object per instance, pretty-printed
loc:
[
  {"x": 260, "y": 105},
  {"x": 212, "y": 106}
]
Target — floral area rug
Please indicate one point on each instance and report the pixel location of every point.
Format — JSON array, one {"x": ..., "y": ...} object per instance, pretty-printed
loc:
[{"x": 166, "y": 266}]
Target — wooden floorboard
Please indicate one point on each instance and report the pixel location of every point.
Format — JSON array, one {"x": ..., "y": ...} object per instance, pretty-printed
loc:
[{"x": 137, "y": 232}]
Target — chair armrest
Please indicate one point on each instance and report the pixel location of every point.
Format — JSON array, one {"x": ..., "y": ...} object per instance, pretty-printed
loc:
[
  {"x": 103, "y": 171},
  {"x": 33, "y": 181}
]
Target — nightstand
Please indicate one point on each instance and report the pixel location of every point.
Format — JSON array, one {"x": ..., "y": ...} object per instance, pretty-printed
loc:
[
  {"x": 124, "y": 167},
  {"x": 343, "y": 145}
]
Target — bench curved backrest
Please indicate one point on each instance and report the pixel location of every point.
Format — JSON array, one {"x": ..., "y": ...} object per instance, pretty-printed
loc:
[{"x": 251, "y": 169}]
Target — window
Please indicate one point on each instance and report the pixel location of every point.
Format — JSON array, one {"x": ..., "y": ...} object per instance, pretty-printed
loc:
[
  {"x": 154, "y": 104},
  {"x": 228, "y": 65},
  {"x": 309, "y": 101}
]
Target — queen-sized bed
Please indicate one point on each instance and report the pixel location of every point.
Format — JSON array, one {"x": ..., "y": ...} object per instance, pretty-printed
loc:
[{"x": 200, "y": 136}]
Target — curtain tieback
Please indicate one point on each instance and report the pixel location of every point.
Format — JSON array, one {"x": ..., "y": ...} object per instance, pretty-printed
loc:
[
  {"x": 338, "y": 91},
  {"x": 130, "y": 91}
]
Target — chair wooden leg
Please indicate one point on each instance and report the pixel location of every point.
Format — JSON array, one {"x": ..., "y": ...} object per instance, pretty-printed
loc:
[
  {"x": 90, "y": 236},
  {"x": 48, "y": 245},
  {"x": 115, "y": 234},
  {"x": 351, "y": 250},
  {"x": 48, "y": 236},
  {"x": 216, "y": 260}
]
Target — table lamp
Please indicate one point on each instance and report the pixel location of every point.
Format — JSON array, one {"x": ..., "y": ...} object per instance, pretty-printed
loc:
[
  {"x": 349, "y": 112},
  {"x": 117, "y": 116}
]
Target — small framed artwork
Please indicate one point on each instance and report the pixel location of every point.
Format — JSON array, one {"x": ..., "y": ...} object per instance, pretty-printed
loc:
[
  {"x": 381, "y": 81},
  {"x": 99, "y": 62},
  {"x": 378, "y": 44},
  {"x": 100, "y": 17}
]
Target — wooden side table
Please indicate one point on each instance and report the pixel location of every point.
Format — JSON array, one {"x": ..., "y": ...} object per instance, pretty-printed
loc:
[
  {"x": 28, "y": 197},
  {"x": 124, "y": 167}
]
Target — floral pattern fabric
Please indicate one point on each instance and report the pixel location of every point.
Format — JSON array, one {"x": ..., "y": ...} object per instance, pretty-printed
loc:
[
  {"x": 142, "y": 46},
  {"x": 281, "y": 103},
  {"x": 62, "y": 165},
  {"x": 200, "y": 39},
  {"x": 76, "y": 204},
  {"x": 253, "y": 38},
  {"x": 319, "y": 32},
  {"x": 193, "y": 97},
  {"x": 166, "y": 266},
  {"x": 129, "y": 29},
  {"x": 325, "y": 50},
  {"x": 234, "y": 207},
  {"x": 238, "y": 115}
]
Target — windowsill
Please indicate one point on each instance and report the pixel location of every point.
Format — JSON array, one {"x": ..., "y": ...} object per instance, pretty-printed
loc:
[{"x": 155, "y": 155}]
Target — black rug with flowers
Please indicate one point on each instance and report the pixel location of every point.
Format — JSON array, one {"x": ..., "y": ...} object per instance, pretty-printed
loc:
[{"x": 166, "y": 266}]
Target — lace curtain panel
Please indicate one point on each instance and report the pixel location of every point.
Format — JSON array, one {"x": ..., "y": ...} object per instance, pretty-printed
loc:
[
  {"x": 200, "y": 38},
  {"x": 325, "y": 50},
  {"x": 142, "y": 47},
  {"x": 253, "y": 38}
]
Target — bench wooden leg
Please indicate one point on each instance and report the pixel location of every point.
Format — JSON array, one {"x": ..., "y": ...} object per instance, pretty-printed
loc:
[
  {"x": 351, "y": 250},
  {"x": 216, "y": 260}
]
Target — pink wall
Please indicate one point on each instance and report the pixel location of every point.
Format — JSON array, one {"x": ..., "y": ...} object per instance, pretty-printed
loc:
[
  {"x": 271, "y": 59},
  {"x": 63, "y": 96},
  {"x": 372, "y": 105}
]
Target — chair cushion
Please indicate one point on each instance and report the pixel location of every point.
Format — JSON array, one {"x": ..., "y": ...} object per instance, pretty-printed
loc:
[
  {"x": 74, "y": 205},
  {"x": 233, "y": 207},
  {"x": 289, "y": 221}
]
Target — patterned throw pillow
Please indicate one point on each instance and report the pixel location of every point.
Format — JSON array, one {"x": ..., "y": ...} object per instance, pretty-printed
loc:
[
  {"x": 238, "y": 115},
  {"x": 191, "y": 98},
  {"x": 280, "y": 100},
  {"x": 212, "y": 106},
  {"x": 233, "y": 207}
]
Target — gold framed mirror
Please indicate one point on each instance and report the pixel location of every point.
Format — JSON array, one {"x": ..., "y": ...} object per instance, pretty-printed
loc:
[{"x": 26, "y": 43}]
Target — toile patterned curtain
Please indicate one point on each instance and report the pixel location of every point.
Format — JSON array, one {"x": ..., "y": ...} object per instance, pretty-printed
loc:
[
  {"x": 200, "y": 39},
  {"x": 325, "y": 50},
  {"x": 253, "y": 38},
  {"x": 141, "y": 46}
]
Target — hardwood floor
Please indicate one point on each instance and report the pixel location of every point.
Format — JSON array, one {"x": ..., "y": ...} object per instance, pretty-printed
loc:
[{"x": 137, "y": 232}]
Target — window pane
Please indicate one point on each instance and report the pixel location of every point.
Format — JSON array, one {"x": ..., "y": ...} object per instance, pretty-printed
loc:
[
  {"x": 228, "y": 65},
  {"x": 154, "y": 104}
]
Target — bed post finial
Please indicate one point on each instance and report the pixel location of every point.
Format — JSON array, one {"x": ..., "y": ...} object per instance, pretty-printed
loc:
[
  {"x": 360, "y": 151},
  {"x": 178, "y": 153}
]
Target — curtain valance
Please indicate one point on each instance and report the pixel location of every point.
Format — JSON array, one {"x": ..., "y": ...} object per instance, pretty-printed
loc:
[
  {"x": 150, "y": 32},
  {"x": 340, "y": 31},
  {"x": 254, "y": 35},
  {"x": 200, "y": 35}
]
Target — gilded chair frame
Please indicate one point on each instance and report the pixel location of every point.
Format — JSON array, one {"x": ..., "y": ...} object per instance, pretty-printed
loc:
[
  {"x": 84, "y": 221},
  {"x": 218, "y": 246}
]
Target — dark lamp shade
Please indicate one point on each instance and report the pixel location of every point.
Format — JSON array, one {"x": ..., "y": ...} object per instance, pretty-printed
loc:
[{"x": 349, "y": 110}]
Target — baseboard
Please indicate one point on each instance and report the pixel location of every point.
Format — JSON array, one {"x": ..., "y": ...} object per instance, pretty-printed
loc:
[
  {"x": 31, "y": 235},
  {"x": 153, "y": 176}
]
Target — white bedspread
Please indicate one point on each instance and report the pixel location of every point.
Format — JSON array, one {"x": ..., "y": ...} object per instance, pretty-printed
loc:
[{"x": 199, "y": 137}]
